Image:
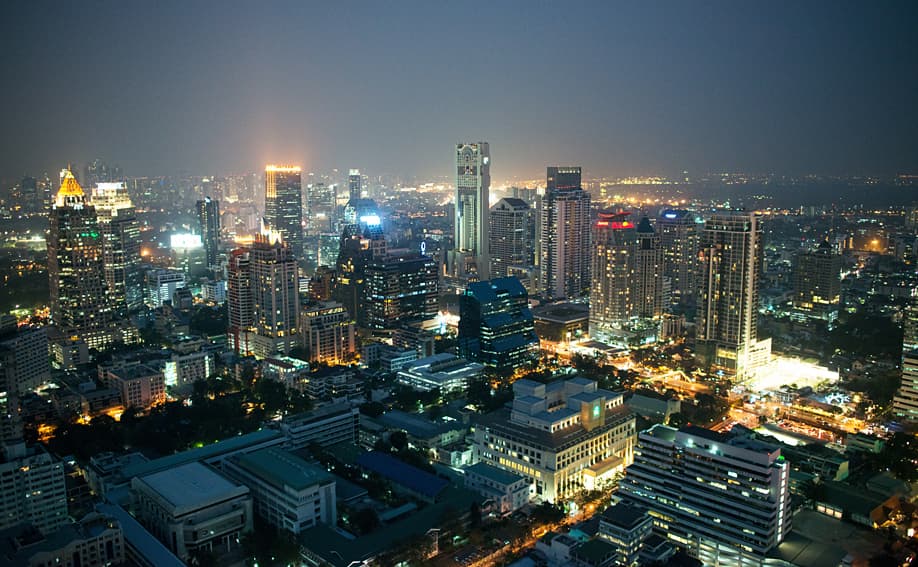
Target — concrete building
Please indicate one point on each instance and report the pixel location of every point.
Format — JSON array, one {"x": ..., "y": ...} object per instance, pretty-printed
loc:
[
  {"x": 161, "y": 285},
  {"x": 328, "y": 332},
  {"x": 94, "y": 541},
  {"x": 193, "y": 507},
  {"x": 445, "y": 371},
  {"x": 399, "y": 288},
  {"x": 284, "y": 205},
  {"x": 469, "y": 257},
  {"x": 33, "y": 490},
  {"x": 564, "y": 241},
  {"x": 564, "y": 436},
  {"x": 508, "y": 491},
  {"x": 724, "y": 498},
  {"x": 120, "y": 245},
  {"x": 680, "y": 240},
  {"x": 328, "y": 425},
  {"x": 817, "y": 282},
  {"x": 140, "y": 385},
  {"x": 512, "y": 236},
  {"x": 905, "y": 403},
  {"x": 289, "y": 371},
  {"x": 289, "y": 493},
  {"x": 627, "y": 528}
]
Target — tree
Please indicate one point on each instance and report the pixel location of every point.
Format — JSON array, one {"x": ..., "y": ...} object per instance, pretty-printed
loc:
[
  {"x": 366, "y": 520},
  {"x": 474, "y": 515}
]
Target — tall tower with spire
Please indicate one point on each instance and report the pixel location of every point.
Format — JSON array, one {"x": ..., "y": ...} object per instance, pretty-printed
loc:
[{"x": 80, "y": 303}]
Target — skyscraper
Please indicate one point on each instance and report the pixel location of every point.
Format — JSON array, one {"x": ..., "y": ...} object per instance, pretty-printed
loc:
[
  {"x": 320, "y": 206},
  {"x": 353, "y": 184},
  {"x": 120, "y": 245},
  {"x": 496, "y": 327},
  {"x": 817, "y": 282},
  {"x": 512, "y": 236},
  {"x": 679, "y": 237},
  {"x": 470, "y": 237},
  {"x": 730, "y": 269},
  {"x": 398, "y": 289},
  {"x": 724, "y": 497},
  {"x": 647, "y": 275},
  {"x": 209, "y": 224},
  {"x": 284, "y": 205},
  {"x": 611, "y": 302},
  {"x": 361, "y": 243},
  {"x": 241, "y": 313},
  {"x": 565, "y": 236},
  {"x": 80, "y": 303}
]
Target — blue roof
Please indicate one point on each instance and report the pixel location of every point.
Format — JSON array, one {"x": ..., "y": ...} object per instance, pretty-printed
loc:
[{"x": 401, "y": 473}]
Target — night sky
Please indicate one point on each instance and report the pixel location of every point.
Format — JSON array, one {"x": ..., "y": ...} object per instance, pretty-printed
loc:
[{"x": 619, "y": 88}]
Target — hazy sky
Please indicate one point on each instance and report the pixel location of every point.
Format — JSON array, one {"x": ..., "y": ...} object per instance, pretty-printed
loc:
[{"x": 389, "y": 86}]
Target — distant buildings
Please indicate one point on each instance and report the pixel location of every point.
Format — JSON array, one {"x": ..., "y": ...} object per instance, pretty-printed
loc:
[
  {"x": 817, "y": 282},
  {"x": 728, "y": 301},
  {"x": 469, "y": 257},
  {"x": 362, "y": 243},
  {"x": 120, "y": 245},
  {"x": 564, "y": 265},
  {"x": 564, "y": 437},
  {"x": 208, "y": 212},
  {"x": 725, "y": 498},
  {"x": 512, "y": 237},
  {"x": 80, "y": 302},
  {"x": 353, "y": 184},
  {"x": 496, "y": 327},
  {"x": 680, "y": 232},
  {"x": 284, "y": 205},
  {"x": 161, "y": 284}
]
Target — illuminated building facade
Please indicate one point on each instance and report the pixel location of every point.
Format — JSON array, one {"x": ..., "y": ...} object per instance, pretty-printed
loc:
[
  {"x": 208, "y": 212},
  {"x": 469, "y": 257},
  {"x": 496, "y": 327},
  {"x": 817, "y": 282},
  {"x": 724, "y": 498},
  {"x": 680, "y": 233},
  {"x": 328, "y": 333},
  {"x": 647, "y": 276},
  {"x": 728, "y": 301},
  {"x": 563, "y": 437},
  {"x": 320, "y": 207},
  {"x": 284, "y": 205},
  {"x": 512, "y": 236},
  {"x": 399, "y": 289},
  {"x": 120, "y": 245},
  {"x": 905, "y": 402},
  {"x": 564, "y": 265},
  {"x": 361, "y": 243},
  {"x": 80, "y": 303},
  {"x": 353, "y": 184}
]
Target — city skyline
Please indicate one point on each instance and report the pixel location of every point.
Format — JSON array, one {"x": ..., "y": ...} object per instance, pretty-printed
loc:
[{"x": 795, "y": 91}]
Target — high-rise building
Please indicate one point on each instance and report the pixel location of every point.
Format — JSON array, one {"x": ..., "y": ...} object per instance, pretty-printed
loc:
[
  {"x": 208, "y": 212},
  {"x": 469, "y": 257},
  {"x": 512, "y": 236},
  {"x": 33, "y": 490},
  {"x": 263, "y": 297},
  {"x": 353, "y": 184},
  {"x": 728, "y": 298},
  {"x": 725, "y": 498},
  {"x": 817, "y": 282},
  {"x": 24, "y": 366},
  {"x": 680, "y": 232},
  {"x": 284, "y": 205},
  {"x": 328, "y": 332},
  {"x": 647, "y": 275},
  {"x": 320, "y": 206},
  {"x": 120, "y": 244},
  {"x": 399, "y": 288},
  {"x": 80, "y": 303},
  {"x": 564, "y": 265},
  {"x": 614, "y": 247},
  {"x": 496, "y": 327},
  {"x": 905, "y": 402},
  {"x": 361, "y": 243},
  {"x": 161, "y": 285}
]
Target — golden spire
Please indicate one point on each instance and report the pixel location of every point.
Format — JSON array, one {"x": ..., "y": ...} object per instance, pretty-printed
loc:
[{"x": 70, "y": 187}]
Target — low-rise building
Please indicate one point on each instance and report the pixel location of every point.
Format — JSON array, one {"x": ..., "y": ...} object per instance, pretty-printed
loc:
[
  {"x": 446, "y": 372},
  {"x": 289, "y": 493},
  {"x": 508, "y": 491},
  {"x": 140, "y": 385},
  {"x": 328, "y": 425},
  {"x": 95, "y": 541},
  {"x": 289, "y": 371},
  {"x": 193, "y": 507},
  {"x": 627, "y": 528}
]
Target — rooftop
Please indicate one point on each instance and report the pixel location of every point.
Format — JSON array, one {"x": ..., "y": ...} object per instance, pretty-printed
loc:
[
  {"x": 281, "y": 469},
  {"x": 402, "y": 473},
  {"x": 626, "y": 517},
  {"x": 190, "y": 486},
  {"x": 499, "y": 476}
]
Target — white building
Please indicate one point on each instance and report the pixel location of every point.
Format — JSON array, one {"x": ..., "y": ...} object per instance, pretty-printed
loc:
[
  {"x": 337, "y": 423},
  {"x": 724, "y": 498},
  {"x": 509, "y": 491},
  {"x": 563, "y": 436},
  {"x": 445, "y": 371},
  {"x": 193, "y": 507},
  {"x": 289, "y": 493},
  {"x": 32, "y": 490},
  {"x": 161, "y": 285},
  {"x": 473, "y": 183},
  {"x": 905, "y": 404}
]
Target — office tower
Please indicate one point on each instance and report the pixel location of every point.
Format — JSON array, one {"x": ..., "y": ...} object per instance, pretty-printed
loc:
[
  {"x": 328, "y": 332},
  {"x": 275, "y": 295},
  {"x": 80, "y": 302},
  {"x": 565, "y": 236},
  {"x": 353, "y": 184},
  {"x": 361, "y": 243},
  {"x": 583, "y": 442},
  {"x": 33, "y": 491},
  {"x": 723, "y": 497},
  {"x": 320, "y": 206},
  {"x": 512, "y": 236},
  {"x": 469, "y": 257},
  {"x": 728, "y": 293},
  {"x": 208, "y": 212},
  {"x": 680, "y": 233},
  {"x": 496, "y": 327},
  {"x": 647, "y": 275},
  {"x": 614, "y": 248},
  {"x": 817, "y": 282},
  {"x": 120, "y": 245},
  {"x": 284, "y": 205},
  {"x": 398, "y": 289}
]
